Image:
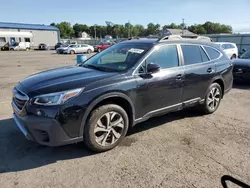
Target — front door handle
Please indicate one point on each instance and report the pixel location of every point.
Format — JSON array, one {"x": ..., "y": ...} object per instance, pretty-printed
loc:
[{"x": 210, "y": 70}]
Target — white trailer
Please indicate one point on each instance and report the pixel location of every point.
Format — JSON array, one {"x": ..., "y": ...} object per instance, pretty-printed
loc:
[{"x": 13, "y": 37}]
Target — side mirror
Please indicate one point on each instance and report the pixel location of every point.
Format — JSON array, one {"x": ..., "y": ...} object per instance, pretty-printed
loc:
[{"x": 153, "y": 68}]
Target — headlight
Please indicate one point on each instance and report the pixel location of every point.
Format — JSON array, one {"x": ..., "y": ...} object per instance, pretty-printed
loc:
[{"x": 56, "y": 98}]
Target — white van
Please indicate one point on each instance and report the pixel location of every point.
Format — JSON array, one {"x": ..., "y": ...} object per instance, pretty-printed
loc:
[
  {"x": 20, "y": 46},
  {"x": 230, "y": 49}
]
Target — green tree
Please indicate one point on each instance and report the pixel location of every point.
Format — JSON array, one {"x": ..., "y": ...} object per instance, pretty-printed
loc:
[
  {"x": 65, "y": 29},
  {"x": 138, "y": 30},
  {"x": 52, "y": 24},
  {"x": 153, "y": 29},
  {"x": 79, "y": 28}
]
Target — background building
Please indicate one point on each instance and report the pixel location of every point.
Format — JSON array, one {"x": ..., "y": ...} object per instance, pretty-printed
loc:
[{"x": 48, "y": 35}]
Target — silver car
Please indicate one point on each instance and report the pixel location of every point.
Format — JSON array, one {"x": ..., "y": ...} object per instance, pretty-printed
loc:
[{"x": 79, "y": 48}]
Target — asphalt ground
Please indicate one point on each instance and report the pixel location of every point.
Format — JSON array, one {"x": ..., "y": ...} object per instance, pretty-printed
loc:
[{"x": 181, "y": 149}]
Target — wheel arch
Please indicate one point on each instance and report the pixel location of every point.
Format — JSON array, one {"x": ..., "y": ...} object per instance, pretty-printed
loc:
[
  {"x": 118, "y": 98},
  {"x": 219, "y": 80}
]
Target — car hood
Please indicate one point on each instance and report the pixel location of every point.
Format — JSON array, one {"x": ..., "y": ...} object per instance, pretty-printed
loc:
[
  {"x": 244, "y": 62},
  {"x": 61, "y": 79}
]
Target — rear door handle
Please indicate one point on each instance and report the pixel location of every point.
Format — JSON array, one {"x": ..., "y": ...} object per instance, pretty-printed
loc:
[
  {"x": 210, "y": 70},
  {"x": 179, "y": 77}
]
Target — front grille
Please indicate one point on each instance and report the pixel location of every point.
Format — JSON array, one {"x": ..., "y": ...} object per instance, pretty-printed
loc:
[{"x": 19, "y": 99}]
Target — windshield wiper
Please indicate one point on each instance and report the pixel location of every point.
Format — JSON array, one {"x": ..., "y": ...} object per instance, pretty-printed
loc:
[{"x": 98, "y": 68}]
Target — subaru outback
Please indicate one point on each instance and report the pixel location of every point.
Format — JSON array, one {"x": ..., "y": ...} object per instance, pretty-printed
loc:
[{"x": 99, "y": 100}]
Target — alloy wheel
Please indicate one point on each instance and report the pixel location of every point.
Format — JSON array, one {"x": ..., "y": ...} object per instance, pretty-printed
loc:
[
  {"x": 214, "y": 98},
  {"x": 109, "y": 128}
]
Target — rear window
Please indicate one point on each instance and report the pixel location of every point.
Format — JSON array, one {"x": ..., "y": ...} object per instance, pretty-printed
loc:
[
  {"x": 230, "y": 46},
  {"x": 212, "y": 53}
]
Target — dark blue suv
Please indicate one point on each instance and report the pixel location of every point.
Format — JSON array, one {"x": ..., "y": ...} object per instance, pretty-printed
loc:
[{"x": 130, "y": 82}]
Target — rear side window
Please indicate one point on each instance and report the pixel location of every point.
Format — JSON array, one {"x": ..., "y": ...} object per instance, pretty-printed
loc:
[
  {"x": 204, "y": 55},
  {"x": 193, "y": 54},
  {"x": 165, "y": 56},
  {"x": 212, "y": 53}
]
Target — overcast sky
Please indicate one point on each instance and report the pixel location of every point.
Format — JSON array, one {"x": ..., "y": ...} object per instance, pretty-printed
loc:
[{"x": 234, "y": 13}]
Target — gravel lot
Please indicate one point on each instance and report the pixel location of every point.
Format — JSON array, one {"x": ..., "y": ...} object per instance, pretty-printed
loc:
[{"x": 181, "y": 149}]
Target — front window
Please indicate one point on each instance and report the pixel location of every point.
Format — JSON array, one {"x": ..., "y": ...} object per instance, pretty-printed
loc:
[
  {"x": 119, "y": 57},
  {"x": 246, "y": 55}
]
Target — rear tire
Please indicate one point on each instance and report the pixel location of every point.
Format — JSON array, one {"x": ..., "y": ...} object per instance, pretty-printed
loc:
[
  {"x": 99, "y": 50},
  {"x": 213, "y": 99},
  {"x": 106, "y": 128}
]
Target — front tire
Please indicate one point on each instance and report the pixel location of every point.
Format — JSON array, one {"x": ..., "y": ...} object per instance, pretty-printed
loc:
[
  {"x": 213, "y": 98},
  {"x": 72, "y": 52},
  {"x": 99, "y": 50},
  {"x": 89, "y": 51},
  {"x": 106, "y": 128}
]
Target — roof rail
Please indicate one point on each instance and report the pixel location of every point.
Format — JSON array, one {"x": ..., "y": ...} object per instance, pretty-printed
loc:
[{"x": 178, "y": 37}]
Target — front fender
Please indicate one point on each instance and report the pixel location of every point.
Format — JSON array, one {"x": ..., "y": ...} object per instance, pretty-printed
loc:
[{"x": 100, "y": 99}]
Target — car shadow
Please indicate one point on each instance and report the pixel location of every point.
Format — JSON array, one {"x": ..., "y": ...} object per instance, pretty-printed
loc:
[
  {"x": 18, "y": 154},
  {"x": 241, "y": 85}
]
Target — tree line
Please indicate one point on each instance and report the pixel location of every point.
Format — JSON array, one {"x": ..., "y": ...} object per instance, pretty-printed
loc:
[{"x": 129, "y": 30}]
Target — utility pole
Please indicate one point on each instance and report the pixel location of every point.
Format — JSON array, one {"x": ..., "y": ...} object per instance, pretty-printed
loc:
[
  {"x": 183, "y": 25},
  {"x": 128, "y": 28},
  {"x": 95, "y": 30}
]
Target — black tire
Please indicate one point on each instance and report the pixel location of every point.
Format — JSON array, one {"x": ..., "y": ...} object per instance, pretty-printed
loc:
[
  {"x": 89, "y": 51},
  {"x": 97, "y": 114},
  {"x": 207, "y": 109},
  {"x": 99, "y": 50},
  {"x": 72, "y": 52},
  {"x": 234, "y": 56}
]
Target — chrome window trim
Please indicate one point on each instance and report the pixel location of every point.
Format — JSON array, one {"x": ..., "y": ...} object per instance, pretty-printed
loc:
[
  {"x": 202, "y": 63},
  {"x": 180, "y": 55}
]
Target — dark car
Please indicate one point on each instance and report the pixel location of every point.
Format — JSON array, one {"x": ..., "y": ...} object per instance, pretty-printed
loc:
[
  {"x": 58, "y": 45},
  {"x": 241, "y": 69},
  {"x": 100, "y": 99},
  {"x": 6, "y": 47},
  {"x": 42, "y": 46}
]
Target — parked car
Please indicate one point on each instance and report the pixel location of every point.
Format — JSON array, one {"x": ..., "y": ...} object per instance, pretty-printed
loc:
[
  {"x": 42, "y": 46},
  {"x": 58, "y": 45},
  {"x": 6, "y": 47},
  {"x": 241, "y": 69},
  {"x": 230, "y": 49},
  {"x": 75, "y": 49},
  {"x": 80, "y": 48},
  {"x": 20, "y": 46},
  {"x": 102, "y": 46},
  {"x": 64, "y": 48},
  {"x": 245, "y": 55},
  {"x": 98, "y": 100}
]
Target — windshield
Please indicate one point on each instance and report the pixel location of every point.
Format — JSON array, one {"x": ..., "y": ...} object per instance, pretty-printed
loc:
[
  {"x": 65, "y": 45},
  {"x": 119, "y": 57},
  {"x": 246, "y": 55}
]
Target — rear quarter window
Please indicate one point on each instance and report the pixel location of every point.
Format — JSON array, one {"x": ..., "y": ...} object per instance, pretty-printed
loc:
[{"x": 212, "y": 53}]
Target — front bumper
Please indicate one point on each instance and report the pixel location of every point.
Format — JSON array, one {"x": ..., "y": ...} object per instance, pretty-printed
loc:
[{"x": 43, "y": 130}]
